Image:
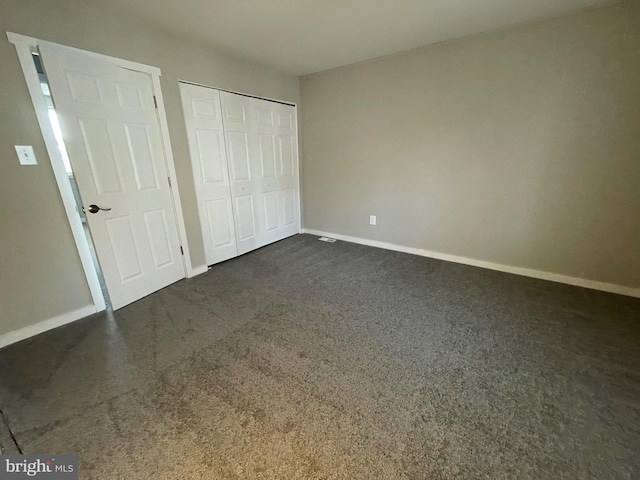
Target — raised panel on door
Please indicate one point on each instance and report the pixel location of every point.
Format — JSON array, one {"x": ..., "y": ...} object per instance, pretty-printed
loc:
[
  {"x": 205, "y": 107},
  {"x": 234, "y": 111},
  {"x": 84, "y": 88},
  {"x": 128, "y": 95},
  {"x": 271, "y": 217},
  {"x": 139, "y": 145},
  {"x": 209, "y": 156},
  {"x": 286, "y": 118},
  {"x": 266, "y": 144},
  {"x": 98, "y": 147},
  {"x": 245, "y": 217},
  {"x": 287, "y": 160},
  {"x": 203, "y": 119},
  {"x": 238, "y": 144},
  {"x": 220, "y": 222},
  {"x": 124, "y": 247},
  {"x": 264, "y": 115},
  {"x": 155, "y": 222},
  {"x": 115, "y": 147},
  {"x": 288, "y": 202}
]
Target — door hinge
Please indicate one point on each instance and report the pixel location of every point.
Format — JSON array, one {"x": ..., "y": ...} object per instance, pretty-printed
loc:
[
  {"x": 155, "y": 101},
  {"x": 169, "y": 180},
  {"x": 181, "y": 250}
]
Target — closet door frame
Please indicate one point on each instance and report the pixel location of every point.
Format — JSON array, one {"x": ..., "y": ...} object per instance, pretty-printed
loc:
[{"x": 298, "y": 183}]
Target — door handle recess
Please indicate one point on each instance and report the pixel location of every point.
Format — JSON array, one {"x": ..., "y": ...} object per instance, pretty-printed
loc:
[{"x": 95, "y": 208}]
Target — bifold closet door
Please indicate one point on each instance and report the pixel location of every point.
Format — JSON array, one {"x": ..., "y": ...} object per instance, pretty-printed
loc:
[
  {"x": 244, "y": 155},
  {"x": 276, "y": 128},
  {"x": 203, "y": 118},
  {"x": 238, "y": 116}
]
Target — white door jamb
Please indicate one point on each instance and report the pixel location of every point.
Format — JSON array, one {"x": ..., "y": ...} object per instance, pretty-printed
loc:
[{"x": 25, "y": 46}]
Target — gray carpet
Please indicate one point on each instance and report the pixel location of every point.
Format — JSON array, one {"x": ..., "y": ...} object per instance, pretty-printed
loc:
[{"x": 314, "y": 360}]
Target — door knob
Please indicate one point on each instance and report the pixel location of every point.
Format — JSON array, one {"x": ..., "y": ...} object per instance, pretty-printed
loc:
[{"x": 95, "y": 208}]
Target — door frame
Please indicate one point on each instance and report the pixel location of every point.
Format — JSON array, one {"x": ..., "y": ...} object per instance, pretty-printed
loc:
[{"x": 25, "y": 47}]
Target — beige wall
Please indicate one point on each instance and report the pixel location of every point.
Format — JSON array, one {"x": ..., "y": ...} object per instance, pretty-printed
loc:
[
  {"x": 520, "y": 147},
  {"x": 40, "y": 272}
]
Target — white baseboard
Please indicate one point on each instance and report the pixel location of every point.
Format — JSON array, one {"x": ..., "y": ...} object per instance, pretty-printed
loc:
[
  {"x": 40, "y": 327},
  {"x": 526, "y": 272}
]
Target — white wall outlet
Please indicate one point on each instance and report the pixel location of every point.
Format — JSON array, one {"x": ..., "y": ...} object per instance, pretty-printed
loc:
[
  {"x": 26, "y": 155},
  {"x": 372, "y": 220}
]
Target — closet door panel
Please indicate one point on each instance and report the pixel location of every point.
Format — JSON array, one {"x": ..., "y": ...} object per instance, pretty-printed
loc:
[
  {"x": 205, "y": 133},
  {"x": 245, "y": 166},
  {"x": 277, "y": 135},
  {"x": 210, "y": 156},
  {"x": 271, "y": 209},
  {"x": 245, "y": 217},
  {"x": 288, "y": 202},
  {"x": 239, "y": 156},
  {"x": 220, "y": 222},
  {"x": 267, "y": 156},
  {"x": 243, "y": 147},
  {"x": 287, "y": 162}
]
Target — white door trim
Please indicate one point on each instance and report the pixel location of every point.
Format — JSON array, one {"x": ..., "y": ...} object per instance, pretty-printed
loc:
[
  {"x": 24, "y": 47},
  {"x": 171, "y": 169},
  {"x": 18, "y": 39}
]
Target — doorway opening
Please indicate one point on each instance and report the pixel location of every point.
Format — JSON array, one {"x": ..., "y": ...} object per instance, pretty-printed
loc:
[{"x": 57, "y": 132}]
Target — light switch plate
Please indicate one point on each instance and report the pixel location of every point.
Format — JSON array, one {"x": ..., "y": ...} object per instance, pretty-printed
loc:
[{"x": 26, "y": 155}]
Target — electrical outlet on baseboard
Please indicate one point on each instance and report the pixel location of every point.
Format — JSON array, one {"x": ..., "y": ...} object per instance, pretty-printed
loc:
[{"x": 372, "y": 220}]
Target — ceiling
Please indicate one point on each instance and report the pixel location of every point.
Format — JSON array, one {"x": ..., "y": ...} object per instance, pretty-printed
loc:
[{"x": 306, "y": 36}]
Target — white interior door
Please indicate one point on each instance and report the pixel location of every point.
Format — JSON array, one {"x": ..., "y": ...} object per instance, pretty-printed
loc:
[
  {"x": 111, "y": 132},
  {"x": 278, "y": 155},
  {"x": 203, "y": 119},
  {"x": 242, "y": 155}
]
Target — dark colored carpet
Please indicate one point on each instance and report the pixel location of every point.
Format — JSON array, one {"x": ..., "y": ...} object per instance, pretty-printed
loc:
[{"x": 314, "y": 360}]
